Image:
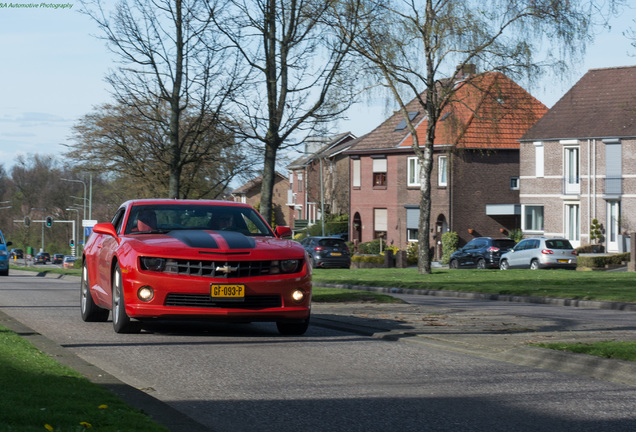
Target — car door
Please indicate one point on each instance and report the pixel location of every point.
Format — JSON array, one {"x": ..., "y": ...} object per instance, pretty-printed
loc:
[
  {"x": 464, "y": 256},
  {"x": 515, "y": 259}
]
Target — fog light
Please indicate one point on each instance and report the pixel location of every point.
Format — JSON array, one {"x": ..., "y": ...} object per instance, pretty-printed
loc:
[
  {"x": 298, "y": 296},
  {"x": 145, "y": 293}
]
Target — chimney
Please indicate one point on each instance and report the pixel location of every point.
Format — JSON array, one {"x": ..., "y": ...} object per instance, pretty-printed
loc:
[{"x": 464, "y": 71}]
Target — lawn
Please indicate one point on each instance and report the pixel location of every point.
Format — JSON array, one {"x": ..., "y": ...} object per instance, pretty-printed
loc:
[
  {"x": 581, "y": 285},
  {"x": 39, "y": 394}
]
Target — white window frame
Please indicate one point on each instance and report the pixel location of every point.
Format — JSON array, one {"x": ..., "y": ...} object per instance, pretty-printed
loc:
[
  {"x": 524, "y": 219},
  {"x": 572, "y": 223},
  {"x": 572, "y": 169},
  {"x": 412, "y": 172},
  {"x": 442, "y": 170},
  {"x": 514, "y": 183},
  {"x": 355, "y": 173}
]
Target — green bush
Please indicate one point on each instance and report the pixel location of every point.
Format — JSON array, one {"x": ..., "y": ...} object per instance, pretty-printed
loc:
[
  {"x": 602, "y": 261},
  {"x": 450, "y": 241},
  {"x": 372, "y": 259},
  {"x": 372, "y": 247}
]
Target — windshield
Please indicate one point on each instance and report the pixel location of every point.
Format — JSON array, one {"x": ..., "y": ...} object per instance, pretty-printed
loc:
[{"x": 163, "y": 218}]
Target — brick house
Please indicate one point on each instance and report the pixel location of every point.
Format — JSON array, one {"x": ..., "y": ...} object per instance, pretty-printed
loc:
[
  {"x": 250, "y": 193},
  {"x": 579, "y": 161},
  {"x": 311, "y": 188},
  {"x": 474, "y": 183}
]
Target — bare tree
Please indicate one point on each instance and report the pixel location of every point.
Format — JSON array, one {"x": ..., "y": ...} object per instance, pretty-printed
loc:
[
  {"x": 410, "y": 44},
  {"x": 129, "y": 146},
  {"x": 173, "y": 66},
  {"x": 295, "y": 77}
]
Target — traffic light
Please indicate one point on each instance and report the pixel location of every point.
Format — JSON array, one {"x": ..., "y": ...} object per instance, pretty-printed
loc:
[
  {"x": 49, "y": 221},
  {"x": 72, "y": 242}
]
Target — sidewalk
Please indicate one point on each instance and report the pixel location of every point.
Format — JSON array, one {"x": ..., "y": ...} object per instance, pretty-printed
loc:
[{"x": 488, "y": 335}]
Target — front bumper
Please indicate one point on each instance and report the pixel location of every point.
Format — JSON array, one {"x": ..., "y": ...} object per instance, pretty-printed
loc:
[{"x": 189, "y": 297}]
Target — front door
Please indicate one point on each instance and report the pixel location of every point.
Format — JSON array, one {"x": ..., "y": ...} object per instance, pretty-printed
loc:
[{"x": 613, "y": 216}]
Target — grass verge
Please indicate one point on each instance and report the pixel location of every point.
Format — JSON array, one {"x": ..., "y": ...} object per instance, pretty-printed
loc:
[
  {"x": 40, "y": 394},
  {"x": 607, "y": 286},
  {"x": 606, "y": 349}
]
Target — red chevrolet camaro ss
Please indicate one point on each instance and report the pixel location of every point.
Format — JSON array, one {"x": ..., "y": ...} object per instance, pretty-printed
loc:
[{"x": 188, "y": 259}]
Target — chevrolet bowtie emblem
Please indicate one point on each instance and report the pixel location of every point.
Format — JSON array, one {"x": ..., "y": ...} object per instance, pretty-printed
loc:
[{"x": 226, "y": 269}]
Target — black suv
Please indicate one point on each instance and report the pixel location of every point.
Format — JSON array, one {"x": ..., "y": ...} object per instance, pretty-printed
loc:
[
  {"x": 481, "y": 253},
  {"x": 327, "y": 252}
]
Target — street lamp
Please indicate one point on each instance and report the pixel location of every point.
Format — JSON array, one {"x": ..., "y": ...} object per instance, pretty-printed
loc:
[{"x": 84, "y": 214}]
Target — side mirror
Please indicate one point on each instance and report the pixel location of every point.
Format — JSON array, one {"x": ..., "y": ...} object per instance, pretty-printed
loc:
[
  {"x": 105, "y": 228},
  {"x": 283, "y": 232},
  {"x": 9, "y": 243}
]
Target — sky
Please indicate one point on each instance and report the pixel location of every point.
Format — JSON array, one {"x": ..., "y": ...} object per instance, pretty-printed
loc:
[{"x": 52, "y": 70}]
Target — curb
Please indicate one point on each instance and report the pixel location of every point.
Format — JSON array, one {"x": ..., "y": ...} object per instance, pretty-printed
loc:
[{"x": 596, "y": 304}]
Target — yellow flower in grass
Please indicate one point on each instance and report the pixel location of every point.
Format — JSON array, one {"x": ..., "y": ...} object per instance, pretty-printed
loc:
[
  {"x": 86, "y": 425},
  {"x": 103, "y": 406},
  {"x": 48, "y": 427}
]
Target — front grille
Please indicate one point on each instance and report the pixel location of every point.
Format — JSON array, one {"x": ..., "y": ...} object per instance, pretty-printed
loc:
[
  {"x": 205, "y": 301},
  {"x": 219, "y": 269}
]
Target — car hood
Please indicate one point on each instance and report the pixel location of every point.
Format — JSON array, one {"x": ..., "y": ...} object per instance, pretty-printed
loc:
[{"x": 199, "y": 243}]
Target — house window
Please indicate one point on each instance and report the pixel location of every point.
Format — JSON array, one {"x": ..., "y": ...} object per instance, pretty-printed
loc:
[
  {"x": 571, "y": 158},
  {"x": 572, "y": 222},
  {"x": 412, "y": 223},
  {"x": 355, "y": 170},
  {"x": 379, "y": 222},
  {"x": 514, "y": 183},
  {"x": 413, "y": 172},
  {"x": 538, "y": 159},
  {"x": 613, "y": 168},
  {"x": 291, "y": 181},
  {"x": 532, "y": 218},
  {"x": 379, "y": 172},
  {"x": 442, "y": 171},
  {"x": 300, "y": 182}
]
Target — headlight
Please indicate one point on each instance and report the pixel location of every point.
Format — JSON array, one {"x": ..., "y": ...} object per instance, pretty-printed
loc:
[
  {"x": 298, "y": 296},
  {"x": 145, "y": 293},
  {"x": 3, "y": 252},
  {"x": 285, "y": 266},
  {"x": 153, "y": 264}
]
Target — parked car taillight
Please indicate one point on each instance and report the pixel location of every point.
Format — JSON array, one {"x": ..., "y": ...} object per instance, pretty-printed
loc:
[
  {"x": 319, "y": 248},
  {"x": 574, "y": 252},
  {"x": 493, "y": 249},
  {"x": 547, "y": 252}
]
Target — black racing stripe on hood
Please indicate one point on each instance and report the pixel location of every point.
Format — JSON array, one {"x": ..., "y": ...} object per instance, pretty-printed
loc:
[
  {"x": 195, "y": 238},
  {"x": 237, "y": 240}
]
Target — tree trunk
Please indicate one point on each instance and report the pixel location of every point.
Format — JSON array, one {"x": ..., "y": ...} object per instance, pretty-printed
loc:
[{"x": 267, "y": 185}]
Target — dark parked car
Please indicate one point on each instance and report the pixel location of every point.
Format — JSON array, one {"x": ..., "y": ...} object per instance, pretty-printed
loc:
[
  {"x": 17, "y": 253},
  {"x": 481, "y": 253},
  {"x": 58, "y": 258},
  {"x": 540, "y": 252},
  {"x": 327, "y": 252},
  {"x": 42, "y": 258}
]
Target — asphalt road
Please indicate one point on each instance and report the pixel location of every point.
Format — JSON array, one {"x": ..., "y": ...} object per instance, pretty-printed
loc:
[{"x": 248, "y": 378}]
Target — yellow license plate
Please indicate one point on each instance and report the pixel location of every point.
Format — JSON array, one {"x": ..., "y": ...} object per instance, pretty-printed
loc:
[
  {"x": 227, "y": 291},
  {"x": 564, "y": 261},
  {"x": 335, "y": 254}
]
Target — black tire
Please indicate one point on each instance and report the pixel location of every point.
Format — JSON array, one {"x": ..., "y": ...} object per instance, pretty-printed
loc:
[
  {"x": 4, "y": 272},
  {"x": 292, "y": 328},
  {"x": 121, "y": 322},
  {"x": 481, "y": 263},
  {"x": 503, "y": 265},
  {"x": 89, "y": 310},
  {"x": 454, "y": 264},
  {"x": 534, "y": 265}
]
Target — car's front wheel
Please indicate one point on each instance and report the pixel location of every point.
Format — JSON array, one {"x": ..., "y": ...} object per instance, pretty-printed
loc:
[
  {"x": 453, "y": 264},
  {"x": 90, "y": 311},
  {"x": 503, "y": 265},
  {"x": 292, "y": 328},
  {"x": 121, "y": 322}
]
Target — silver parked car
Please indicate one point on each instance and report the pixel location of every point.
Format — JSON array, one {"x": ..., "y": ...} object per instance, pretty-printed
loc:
[{"x": 540, "y": 252}]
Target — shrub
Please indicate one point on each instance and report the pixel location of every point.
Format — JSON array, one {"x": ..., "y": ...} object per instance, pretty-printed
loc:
[
  {"x": 450, "y": 240},
  {"x": 602, "y": 261}
]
